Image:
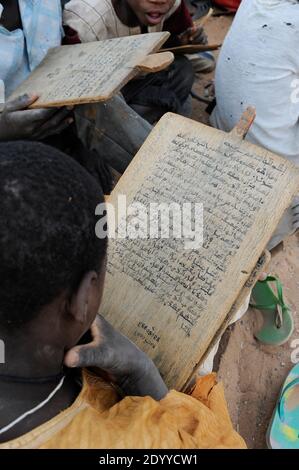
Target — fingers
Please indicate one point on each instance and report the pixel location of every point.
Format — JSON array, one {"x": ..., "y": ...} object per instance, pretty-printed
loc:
[
  {"x": 189, "y": 31},
  {"x": 31, "y": 117},
  {"x": 24, "y": 124},
  {"x": 198, "y": 36},
  {"x": 193, "y": 31},
  {"x": 22, "y": 102},
  {"x": 55, "y": 131},
  {"x": 184, "y": 37},
  {"x": 55, "y": 124},
  {"x": 195, "y": 34},
  {"x": 38, "y": 123},
  {"x": 55, "y": 120}
]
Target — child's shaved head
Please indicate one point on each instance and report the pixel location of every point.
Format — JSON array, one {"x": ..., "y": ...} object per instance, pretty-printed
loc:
[{"x": 47, "y": 228}]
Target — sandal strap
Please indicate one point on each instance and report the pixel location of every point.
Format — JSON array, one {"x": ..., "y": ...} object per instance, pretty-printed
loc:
[
  {"x": 279, "y": 300},
  {"x": 279, "y": 316},
  {"x": 281, "y": 402},
  {"x": 264, "y": 307},
  {"x": 279, "y": 304}
]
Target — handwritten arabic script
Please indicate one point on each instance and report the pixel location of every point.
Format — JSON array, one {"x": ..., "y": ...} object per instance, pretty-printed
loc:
[
  {"x": 233, "y": 185},
  {"x": 92, "y": 70}
]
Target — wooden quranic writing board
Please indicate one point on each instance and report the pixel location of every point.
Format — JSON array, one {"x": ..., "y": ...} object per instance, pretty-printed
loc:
[
  {"x": 91, "y": 72},
  {"x": 171, "y": 297}
]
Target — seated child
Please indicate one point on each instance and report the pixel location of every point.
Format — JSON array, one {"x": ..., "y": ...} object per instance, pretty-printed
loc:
[
  {"x": 51, "y": 282},
  {"x": 26, "y": 34},
  {"x": 157, "y": 93},
  {"x": 259, "y": 66}
]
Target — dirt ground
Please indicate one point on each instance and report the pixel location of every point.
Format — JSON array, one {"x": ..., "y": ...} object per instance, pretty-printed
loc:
[{"x": 252, "y": 373}]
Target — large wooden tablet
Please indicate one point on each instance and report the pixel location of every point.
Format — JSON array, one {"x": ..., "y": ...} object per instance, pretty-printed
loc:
[
  {"x": 92, "y": 72},
  {"x": 170, "y": 300}
]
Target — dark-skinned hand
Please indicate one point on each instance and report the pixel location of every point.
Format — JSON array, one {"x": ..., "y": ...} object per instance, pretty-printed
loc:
[
  {"x": 118, "y": 360},
  {"x": 193, "y": 35},
  {"x": 19, "y": 122}
]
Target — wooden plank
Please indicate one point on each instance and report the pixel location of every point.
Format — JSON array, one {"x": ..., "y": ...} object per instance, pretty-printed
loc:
[
  {"x": 192, "y": 48},
  {"x": 91, "y": 72},
  {"x": 168, "y": 296}
]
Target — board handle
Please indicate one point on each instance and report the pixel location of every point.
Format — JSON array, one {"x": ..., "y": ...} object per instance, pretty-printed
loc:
[
  {"x": 240, "y": 131},
  {"x": 155, "y": 62}
]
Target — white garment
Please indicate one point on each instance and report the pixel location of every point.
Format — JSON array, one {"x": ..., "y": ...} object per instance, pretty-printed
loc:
[
  {"x": 258, "y": 66},
  {"x": 208, "y": 365},
  {"x": 96, "y": 20},
  {"x": 258, "y": 63}
]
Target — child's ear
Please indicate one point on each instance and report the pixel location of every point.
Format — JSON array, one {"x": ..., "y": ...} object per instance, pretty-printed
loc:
[{"x": 82, "y": 300}]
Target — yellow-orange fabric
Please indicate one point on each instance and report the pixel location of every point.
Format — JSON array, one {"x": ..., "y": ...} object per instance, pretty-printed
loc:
[{"x": 99, "y": 419}]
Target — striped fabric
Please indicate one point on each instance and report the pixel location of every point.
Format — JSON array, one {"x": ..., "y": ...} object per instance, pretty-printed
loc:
[{"x": 96, "y": 20}]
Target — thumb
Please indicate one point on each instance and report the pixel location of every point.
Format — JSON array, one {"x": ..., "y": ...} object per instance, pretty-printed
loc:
[
  {"x": 88, "y": 354},
  {"x": 81, "y": 356},
  {"x": 22, "y": 102},
  {"x": 71, "y": 359}
]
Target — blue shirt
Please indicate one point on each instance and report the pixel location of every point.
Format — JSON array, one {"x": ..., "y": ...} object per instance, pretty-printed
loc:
[{"x": 22, "y": 50}]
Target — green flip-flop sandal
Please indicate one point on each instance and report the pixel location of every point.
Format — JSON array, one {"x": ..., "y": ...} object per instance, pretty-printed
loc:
[{"x": 278, "y": 321}]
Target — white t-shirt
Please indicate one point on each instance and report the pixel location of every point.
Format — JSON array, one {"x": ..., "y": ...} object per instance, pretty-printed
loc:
[
  {"x": 96, "y": 20},
  {"x": 259, "y": 66}
]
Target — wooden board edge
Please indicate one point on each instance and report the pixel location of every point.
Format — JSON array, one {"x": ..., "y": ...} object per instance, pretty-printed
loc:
[
  {"x": 155, "y": 62},
  {"x": 164, "y": 35},
  {"x": 261, "y": 265},
  {"x": 78, "y": 102}
]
